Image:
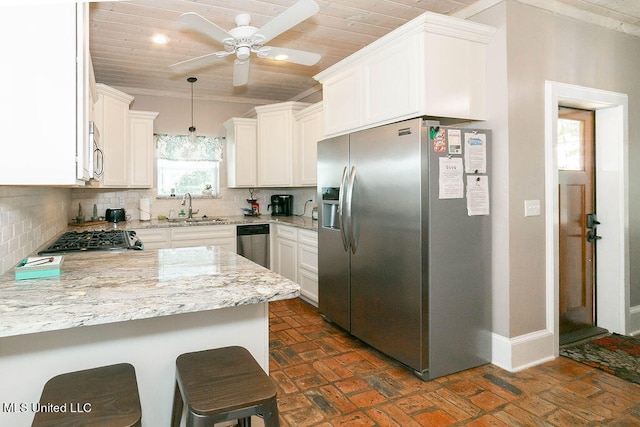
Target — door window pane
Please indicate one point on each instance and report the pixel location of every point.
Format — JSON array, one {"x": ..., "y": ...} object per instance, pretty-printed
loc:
[{"x": 570, "y": 136}]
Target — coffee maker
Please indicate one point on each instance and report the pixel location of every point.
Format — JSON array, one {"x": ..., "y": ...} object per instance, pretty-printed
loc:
[{"x": 281, "y": 205}]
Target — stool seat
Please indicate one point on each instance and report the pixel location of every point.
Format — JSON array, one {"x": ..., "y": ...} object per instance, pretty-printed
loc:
[
  {"x": 223, "y": 384},
  {"x": 105, "y": 396}
]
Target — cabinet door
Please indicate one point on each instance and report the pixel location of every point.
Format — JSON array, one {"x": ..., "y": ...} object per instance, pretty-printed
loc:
[
  {"x": 285, "y": 257},
  {"x": 310, "y": 131},
  {"x": 242, "y": 156},
  {"x": 308, "y": 265},
  {"x": 275, "y": 137},
  {"x": 342, "y": 102},
  {"x": 112, "y": 120},
  {"x": 219, "y": 235},
  {"x": 308, "y": 282},
  {"x": 154, "y": 238},
  {"x": 141, "y": 149},
  {"x": 38, "y": 94},
  {"x": 392, "y": 88},
  {"x": 228, "y": 243}
]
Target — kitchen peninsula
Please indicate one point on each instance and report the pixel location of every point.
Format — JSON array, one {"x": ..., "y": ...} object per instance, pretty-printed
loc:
[{"x": 142, "y": 307}]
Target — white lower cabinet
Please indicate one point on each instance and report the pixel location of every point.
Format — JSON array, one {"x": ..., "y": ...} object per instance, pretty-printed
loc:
[
  {"x": 219, "y": 235},
  {"x": 285, "y": 257},
  {"x": 154, "y": 238},
  {"x": 307, "y": 263},
  {"x": 183, "y": 237},
  {"x": 295, "y": 256}
]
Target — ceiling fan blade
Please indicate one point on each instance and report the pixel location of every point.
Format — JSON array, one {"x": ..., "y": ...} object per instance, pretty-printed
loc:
[
  {"x": 287, "y": 19},
  {"x": 199, "y": 62},
  {"x": 240, "y": 72},
  {"x": 290, "y": 55},
  {"x": 203, "y": 25}
]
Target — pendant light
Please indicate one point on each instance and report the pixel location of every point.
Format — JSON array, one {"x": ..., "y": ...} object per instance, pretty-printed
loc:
[{"x": 192, "y": 129}]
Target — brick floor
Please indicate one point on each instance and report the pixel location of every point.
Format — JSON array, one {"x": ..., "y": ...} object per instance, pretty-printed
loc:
[{"x": 327, "y": 378}]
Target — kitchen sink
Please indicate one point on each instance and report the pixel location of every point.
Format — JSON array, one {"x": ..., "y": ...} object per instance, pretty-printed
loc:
[{"x": 198, "y": 220}]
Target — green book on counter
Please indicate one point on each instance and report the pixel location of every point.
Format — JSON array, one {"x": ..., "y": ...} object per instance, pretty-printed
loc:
[{"x": 37, "y": 267}]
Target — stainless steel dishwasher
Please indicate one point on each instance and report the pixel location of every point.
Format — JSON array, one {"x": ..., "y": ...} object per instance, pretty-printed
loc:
[{"x": 253, "y": 243}]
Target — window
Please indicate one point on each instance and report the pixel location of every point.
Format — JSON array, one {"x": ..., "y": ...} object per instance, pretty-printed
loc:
[
  {"x": 188, "y": 167},
  {"x": 570, "y": 137}
]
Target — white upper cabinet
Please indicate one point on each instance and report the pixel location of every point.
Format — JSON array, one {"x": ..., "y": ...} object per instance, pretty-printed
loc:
[
  {"x": 342, "y": 98},
  {"x": 241, "y": 157},
  {"x": 278, "y": 149},
  {"x": 276, "y": 134},
  {"x": 111, "y": 114},
  {"x": 126, "y": 140},
  {"x": 141, "y": 148},
  {"x": 44, "y": 112},
  {"x": 310, "y": 131},
  {"x": 433, "y": 65}
]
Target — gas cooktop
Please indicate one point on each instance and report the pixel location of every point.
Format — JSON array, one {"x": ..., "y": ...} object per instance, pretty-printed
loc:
[{"x": 102, "y": 240}]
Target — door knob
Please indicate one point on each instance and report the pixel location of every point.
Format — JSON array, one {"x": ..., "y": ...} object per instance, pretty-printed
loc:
[{"x": 592, "y": 236}]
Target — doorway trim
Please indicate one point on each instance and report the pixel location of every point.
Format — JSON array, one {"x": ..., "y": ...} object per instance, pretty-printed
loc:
[{"x": 612, "y": 204}]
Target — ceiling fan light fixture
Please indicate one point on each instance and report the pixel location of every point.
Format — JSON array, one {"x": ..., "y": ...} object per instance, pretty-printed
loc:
[
  {"x": 243, "y": 53},
  {"x": 281, "y": 57},
  {"x": 193, "y": 138}
]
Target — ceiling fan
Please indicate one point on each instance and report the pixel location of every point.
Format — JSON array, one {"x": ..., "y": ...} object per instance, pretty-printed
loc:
[{"x": 244, "y": 39}]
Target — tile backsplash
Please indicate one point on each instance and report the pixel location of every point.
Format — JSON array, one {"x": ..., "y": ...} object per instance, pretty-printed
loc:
[
  {"x": 230, "y": 203},
  {"x": 29, "y": 217}
]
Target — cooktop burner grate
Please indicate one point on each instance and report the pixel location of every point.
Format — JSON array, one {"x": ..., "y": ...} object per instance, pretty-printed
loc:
[{"x": 74, "y": 241}]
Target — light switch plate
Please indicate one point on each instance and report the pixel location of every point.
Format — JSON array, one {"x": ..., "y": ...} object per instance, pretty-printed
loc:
[{"x": 532, "y": 208}]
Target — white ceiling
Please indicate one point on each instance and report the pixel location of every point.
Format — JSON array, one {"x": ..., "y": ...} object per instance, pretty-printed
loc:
[{"x": 124, "y": 56}]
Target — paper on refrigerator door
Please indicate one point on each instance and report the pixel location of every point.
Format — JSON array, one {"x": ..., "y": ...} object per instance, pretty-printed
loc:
[
  {"x": 477, "y": 195},
  {"x": 475, "y": 152},
  {"x": 454, "y": 137},
  {"x": 450, "y": 180}
]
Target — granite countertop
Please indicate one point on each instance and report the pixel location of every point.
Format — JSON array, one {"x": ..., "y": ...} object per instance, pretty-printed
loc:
[
  {"x": 115, "y": 286},
  {"x": 302, "y": 222}
]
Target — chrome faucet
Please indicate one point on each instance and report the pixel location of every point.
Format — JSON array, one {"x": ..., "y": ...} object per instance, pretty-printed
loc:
[{"x": 190, "y": 211}]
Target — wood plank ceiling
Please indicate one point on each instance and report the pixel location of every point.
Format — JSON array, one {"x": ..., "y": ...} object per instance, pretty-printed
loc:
[{"x": 125, "y": 57}]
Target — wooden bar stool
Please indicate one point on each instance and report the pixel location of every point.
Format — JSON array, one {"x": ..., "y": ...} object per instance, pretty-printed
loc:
[
  {"x": 105, "y": 396},
  {"x": 220, "y": 385}
]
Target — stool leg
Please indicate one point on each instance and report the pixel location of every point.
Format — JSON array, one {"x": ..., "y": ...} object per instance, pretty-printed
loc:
[
  {"x": 176, "y": 412},
  {"x": 270, "y": 414}
]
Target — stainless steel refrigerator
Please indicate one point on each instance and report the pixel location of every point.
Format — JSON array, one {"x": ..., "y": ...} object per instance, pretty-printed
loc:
[{"x": 404, "y": 259}]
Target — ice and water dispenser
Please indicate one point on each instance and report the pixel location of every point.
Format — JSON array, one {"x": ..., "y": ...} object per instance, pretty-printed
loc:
[{"x": 330, "y": 207}]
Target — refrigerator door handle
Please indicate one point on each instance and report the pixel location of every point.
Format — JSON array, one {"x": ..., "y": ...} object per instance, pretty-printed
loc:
[
  {"x": 341, "y": 210},
  {"x": 350, "y": 227}
]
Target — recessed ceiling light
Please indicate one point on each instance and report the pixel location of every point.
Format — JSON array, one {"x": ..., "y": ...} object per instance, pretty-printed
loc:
[{"x": 160, "y": 39}]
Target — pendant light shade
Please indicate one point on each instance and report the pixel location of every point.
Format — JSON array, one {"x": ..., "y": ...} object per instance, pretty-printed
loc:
[{"x": 192, "y": 129}]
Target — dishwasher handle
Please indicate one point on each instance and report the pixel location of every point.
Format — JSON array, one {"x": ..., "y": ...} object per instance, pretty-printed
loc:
[{"x": 252, "y": 229}]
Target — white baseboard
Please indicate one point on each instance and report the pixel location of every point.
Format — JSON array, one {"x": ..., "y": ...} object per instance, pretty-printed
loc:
[
  {"x": 634, "y": 321},
  {"x": 522, "y": 352},
  {"x": 525, "y": 351}
]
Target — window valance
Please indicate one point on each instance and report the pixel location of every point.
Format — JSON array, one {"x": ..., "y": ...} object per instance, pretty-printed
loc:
[{"x": 178, "y": 147}]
